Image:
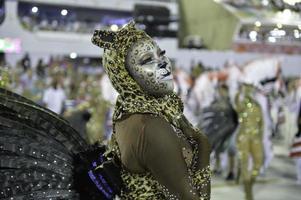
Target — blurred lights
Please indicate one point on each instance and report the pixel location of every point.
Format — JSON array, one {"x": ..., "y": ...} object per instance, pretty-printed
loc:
[
  {"x": 287, "y": 13},
  {"x": 296, "y": 33},
  {"x": 279, "y": 25},
  {"x": 64, "y": 12},
  {"x": 34, "y": 9},
  {"x": 272, "y": 39},
  {"x": 114, "y": 27},
  {"x": 277, "y": 33},
  {"x": 299, "y": 26},
  {"x": 10, "y": 45},
  {"x": 253, "y": 36},
  {"x": 73, "y": 55},
  {"x": 258, "y": 23},
  {"x": 265, "y": 2},
  {"x": 150, "y": 18},
  {"x": 142, "y": 26}
]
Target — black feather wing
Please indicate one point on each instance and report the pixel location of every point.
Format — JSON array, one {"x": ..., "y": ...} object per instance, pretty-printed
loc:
[
  {"x": 36, "y": 151},
  {"x": 218, "y": 122}
]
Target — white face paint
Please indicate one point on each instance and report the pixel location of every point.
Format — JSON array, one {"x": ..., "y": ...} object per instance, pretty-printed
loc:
[{"x": 150, "y": 68}]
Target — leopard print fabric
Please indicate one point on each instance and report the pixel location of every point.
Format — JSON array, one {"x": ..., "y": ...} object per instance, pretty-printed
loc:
[
  {"x": 144, "y": 186},
  {"x": 132, "y": 99},
  {"x": 141, "y": 186}
]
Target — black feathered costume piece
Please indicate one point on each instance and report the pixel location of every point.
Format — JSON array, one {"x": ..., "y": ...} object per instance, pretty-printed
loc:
[
  {"x": 218, "y": 121},
  {"x": 43, "y": 157}
]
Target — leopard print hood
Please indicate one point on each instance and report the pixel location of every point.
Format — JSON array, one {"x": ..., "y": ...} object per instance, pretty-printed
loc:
[{"x": 132, "y": 99}]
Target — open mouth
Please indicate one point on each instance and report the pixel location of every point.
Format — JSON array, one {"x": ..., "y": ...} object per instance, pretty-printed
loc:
[{"x": 167, "y": 76}]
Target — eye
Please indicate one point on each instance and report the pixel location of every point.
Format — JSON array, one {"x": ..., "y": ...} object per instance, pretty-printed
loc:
[
  {"x": 146, "y": 60},
  {"x": 162, "y": 53}
]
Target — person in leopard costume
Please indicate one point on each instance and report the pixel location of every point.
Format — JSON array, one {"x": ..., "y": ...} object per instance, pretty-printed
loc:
[{"x": 163, "y": 156}]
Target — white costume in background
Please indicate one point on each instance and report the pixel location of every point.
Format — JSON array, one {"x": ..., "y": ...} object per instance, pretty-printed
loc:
[
  {"x": 107, "y": 90},
  {"x": 295, "y": 153},
  {"x": 255, "y": 72},
  {"x": 291, "y": 114},
  {"x": 54, "y": 99},
  {"x": 110, "y": 95},
  {"x": 234, "y": 77},
  {"x": 182, "y": 85},
  {"x": 298, "y": 168},
  {"x": 261, "y": 69},
  {"x": 205, "y": 90},
  {"x": 202, "y": 95},
  {"x": 267, "y": 130}
]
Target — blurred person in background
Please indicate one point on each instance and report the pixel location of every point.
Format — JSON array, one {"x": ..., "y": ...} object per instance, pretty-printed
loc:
[
  {"x": 295, "y": 151},
  {"x": 264, "y": 102},
  {"x": 26, "y": 62},
  {"x": 3, "y": 63},
  {"x": 182, "y": 83},
  {"x": 41, "y": 69},
  {"x": 293, "y": 100},
  {"x": 278, "y": 109},
  {"x": 219, "y": 121},
  {"x": 201, "y": 96},
  {"x": 249, "y": 137},
  {"x": 16, "y": 84},
  {"x": 235, "y": 73},
  {"x": 28, "y": 80},
  {"x": 109, "y": 97},
  {"x": 54, "y": 97},
  {"x": 294, "y": 105},
  {"x": 96, "y": 126}
]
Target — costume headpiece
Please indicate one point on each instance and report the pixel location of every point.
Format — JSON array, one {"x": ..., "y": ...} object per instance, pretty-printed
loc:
[{"x": 120, "y": 40}]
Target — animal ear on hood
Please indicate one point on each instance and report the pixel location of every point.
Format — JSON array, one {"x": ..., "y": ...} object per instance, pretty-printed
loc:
[{"x": 104, "y": 39}]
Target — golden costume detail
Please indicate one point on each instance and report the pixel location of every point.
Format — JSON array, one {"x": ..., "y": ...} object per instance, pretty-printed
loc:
[{"x": 249, "y": 138}]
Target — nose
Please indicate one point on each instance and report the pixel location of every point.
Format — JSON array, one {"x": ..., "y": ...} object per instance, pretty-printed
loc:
[{"x": 162, "y": 64}]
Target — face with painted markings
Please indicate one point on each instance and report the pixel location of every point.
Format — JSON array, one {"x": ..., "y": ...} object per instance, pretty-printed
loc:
[{"x": 150, "y": 68}]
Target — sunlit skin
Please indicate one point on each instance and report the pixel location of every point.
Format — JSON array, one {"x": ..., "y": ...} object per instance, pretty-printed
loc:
[{"x": 150, "y": 68}]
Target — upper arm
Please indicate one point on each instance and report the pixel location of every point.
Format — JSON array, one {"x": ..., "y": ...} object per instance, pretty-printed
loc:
[{"x": 163, "y": 158}]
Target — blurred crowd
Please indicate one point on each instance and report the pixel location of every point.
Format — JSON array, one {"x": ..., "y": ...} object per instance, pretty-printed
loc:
[
  {"x": 45, "y": 17},
  {"x": 270, "y": 34},
  {"x": 34, "y": 24},
  {"x": 278, "y": 97},
  {"x": 83, "y": 95},
  {"x": 86, "y": 98}
]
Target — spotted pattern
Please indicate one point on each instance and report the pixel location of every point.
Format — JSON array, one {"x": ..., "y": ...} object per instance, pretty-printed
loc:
[
  {"x": 133, "y": 99},
  {"x": 148, "y": 65}
]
